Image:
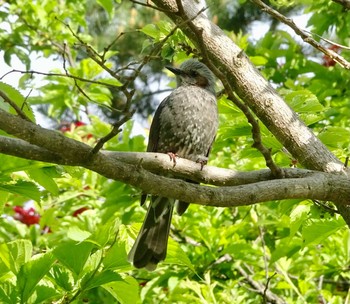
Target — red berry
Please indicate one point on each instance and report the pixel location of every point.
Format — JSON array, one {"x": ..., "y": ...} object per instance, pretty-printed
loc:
[{"x": 26, "y": 216}]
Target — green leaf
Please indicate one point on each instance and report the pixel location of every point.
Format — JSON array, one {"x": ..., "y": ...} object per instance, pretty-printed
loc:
[
  {"x": 24, "y": 188},
  {"x": 73, "y": 255},
  {"x": 302, "y": 101},
  {"x": 125, "y": 291},
  {"x": 318, "y": 230},
  {"x": 111, "y": 81},
  {"x": 62, "y": 277},
  {"x": 335, "y": 136},
  {"x": 32, "y": 272},
  {"x": 15, "y": 254},
  {"x": 43, "y": 292},
  {"x": 8, "y": 292},
  {"x": 102, "y": 278},
  {"x": 298, "y": 217},
  {"x": 108, "y": 7},
  {"x": 117, "y": 257},
  {"x": 258, "y": 60},
  {"x": 42, "y": 177},
  {"x": 76, "y": 234},
  {"x": 176, "y": 255},
  {"x": 151, "y": 30}
]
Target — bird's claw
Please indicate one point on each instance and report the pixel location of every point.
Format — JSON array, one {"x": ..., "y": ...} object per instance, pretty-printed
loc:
[
  {"x": 172, "y": 157},
  {"x": 203, "y": 161}
]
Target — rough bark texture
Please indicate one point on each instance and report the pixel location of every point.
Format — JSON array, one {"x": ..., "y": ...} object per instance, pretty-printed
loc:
[
  {"x": 230, "y": 62},
  {"x": 254, "y": 188}
]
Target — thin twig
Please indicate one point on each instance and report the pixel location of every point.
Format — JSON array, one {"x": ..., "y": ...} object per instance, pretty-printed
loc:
[
  {"x": 303, "y": 34},
  {"x": 265, "y": 258},
  {"x": 13, "y": 105},
  {"x": 325, "y": 207},
  {"x": 116, "y": 130},
  {"x": 265, "y": 297},
  {"x": 67, "y": 74},
  {"x": 129, "y": 94},
  {"x": 329, "y": 41},
  {"x": 260, "y": 288}
]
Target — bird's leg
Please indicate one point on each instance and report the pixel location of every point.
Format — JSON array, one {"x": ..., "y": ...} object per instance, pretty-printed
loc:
[
  {"x": 172, "y": 157},
  {"x": 203, "y": 160}
]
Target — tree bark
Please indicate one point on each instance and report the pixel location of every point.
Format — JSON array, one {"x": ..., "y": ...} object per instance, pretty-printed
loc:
[
  {"x": 41, "y": 144},
  {"x": 229, "y": 62}
]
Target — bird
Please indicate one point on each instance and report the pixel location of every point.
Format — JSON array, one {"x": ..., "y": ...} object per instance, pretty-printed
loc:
[{"x": 184, "y": 125}]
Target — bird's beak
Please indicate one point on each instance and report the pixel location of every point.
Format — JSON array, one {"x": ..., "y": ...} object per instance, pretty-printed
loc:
[{"x": 175, "y": 70}]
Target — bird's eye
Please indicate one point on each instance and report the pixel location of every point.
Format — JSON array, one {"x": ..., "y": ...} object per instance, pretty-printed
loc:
[{"x": 193, "y": 73}]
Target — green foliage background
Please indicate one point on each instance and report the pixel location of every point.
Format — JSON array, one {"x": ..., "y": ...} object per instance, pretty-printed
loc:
[{"x": 296, "y": 249}]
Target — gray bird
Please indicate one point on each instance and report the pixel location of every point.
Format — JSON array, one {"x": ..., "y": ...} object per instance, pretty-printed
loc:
[{"x": 184, "y": 125}]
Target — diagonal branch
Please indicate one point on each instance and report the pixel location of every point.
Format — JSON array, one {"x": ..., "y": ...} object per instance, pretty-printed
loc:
[
  {"x": 14, "y": 105},
  {"x": 303, "y": 34},
  {"x": 260, "y": 96}
]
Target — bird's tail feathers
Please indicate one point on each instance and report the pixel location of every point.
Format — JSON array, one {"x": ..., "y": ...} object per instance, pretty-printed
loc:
[{"x": 151, "y": 243}]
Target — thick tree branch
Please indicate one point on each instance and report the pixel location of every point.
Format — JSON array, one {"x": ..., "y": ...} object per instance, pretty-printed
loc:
[
  {"x": 156, "y": 163},
  {"x": 257, "y": 93},
  {"x": 63, "y": 150}
]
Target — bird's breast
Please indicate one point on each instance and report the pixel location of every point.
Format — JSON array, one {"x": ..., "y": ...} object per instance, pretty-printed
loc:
[{"x": 188, "y": 122}]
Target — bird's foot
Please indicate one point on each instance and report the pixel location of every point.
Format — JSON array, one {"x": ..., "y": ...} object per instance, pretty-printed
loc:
[
  {"x": 202, "y": 160},
  {"x": 172, "y": 157}
]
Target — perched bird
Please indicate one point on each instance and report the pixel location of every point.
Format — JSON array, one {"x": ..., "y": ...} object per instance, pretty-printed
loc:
[{"x": 184, "y": 125}]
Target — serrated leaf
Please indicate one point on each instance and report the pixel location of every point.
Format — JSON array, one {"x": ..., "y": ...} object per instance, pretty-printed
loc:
[
  {"x": 42, "y": 178},
  {"x": 297, "y": 217},
  {"x": 334, "y": 136},
  {"x": 15, "y": 254},
  {"x": 302, "y": 101},
  {"x": 24, "y": 188},
  {"x": 125, "y": 291},
  {"x": 73, "y": 255},
  {"x": 62, "y": 277},
  {"x": 311, "y": 118},
  {"x": 176, "y": 255},
  {"x": 316, "y": 231},
  {"x": 31, "y": 273},
  {"x": 8, "y": 292}
]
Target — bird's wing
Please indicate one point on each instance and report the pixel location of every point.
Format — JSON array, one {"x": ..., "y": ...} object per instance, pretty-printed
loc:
[
  {"x": 155, "y": 128},
  {"x": 154, "y": 136}
]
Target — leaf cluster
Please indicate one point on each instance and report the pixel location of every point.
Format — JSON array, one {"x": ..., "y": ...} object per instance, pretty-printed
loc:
[{"x": 296, "y": 249}]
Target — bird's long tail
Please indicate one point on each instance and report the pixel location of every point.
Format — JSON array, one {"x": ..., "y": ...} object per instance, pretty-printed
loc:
[{"x": 151, "y": 244}]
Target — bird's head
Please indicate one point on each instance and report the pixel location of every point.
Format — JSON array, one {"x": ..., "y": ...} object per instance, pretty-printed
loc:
[{"x": 193, "y": 72}]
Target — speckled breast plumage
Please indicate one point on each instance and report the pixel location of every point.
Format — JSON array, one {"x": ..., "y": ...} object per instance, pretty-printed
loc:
[{"x": 188, "y": 122}]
